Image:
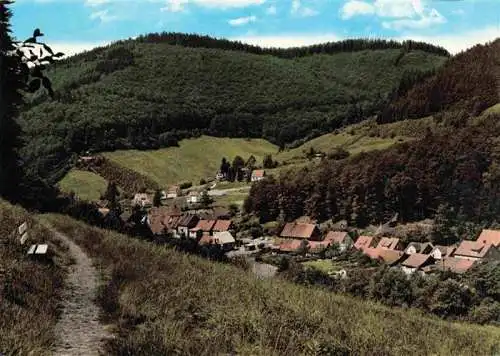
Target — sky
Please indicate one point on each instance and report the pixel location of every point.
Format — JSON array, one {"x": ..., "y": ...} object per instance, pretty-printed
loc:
[{"x": 72, "y": 26}]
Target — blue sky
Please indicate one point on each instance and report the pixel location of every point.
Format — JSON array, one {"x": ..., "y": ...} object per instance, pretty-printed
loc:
[{"x": 75, "y": 25}]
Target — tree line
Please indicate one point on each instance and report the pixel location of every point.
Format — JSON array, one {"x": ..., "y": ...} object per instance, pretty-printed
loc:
[
  {"x": 467, "y": 82},
  {"x": 350, "y": 45},
  {"x": 455, "y": 168}
]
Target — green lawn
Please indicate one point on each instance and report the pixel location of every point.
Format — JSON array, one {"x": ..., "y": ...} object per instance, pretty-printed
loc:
[
  {"x": 321, "y": 265},
  {"x": 327, "y": 143},
  {"x": 194, "y": 159},
  {"x": 86, "y": 185}
]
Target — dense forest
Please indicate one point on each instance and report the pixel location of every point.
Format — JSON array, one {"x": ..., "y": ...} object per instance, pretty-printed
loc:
[
  {"x": 350, "y": 45},
  {"x": 139, "y": 94},
  {"x": 455, "y": 171},
  {"x": 468, "y": 82}
]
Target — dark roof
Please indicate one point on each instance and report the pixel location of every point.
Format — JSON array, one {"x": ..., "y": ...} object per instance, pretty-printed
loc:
[{"x": 417, "y": 260}]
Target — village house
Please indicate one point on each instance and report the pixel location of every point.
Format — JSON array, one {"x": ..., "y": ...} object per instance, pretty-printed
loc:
[
  {"x": 416, "y": 247},
  {"x": 291, "y": 245},
  {"x": 474, "y": 250},
  {"x": 296, "y": 230},
  {"x": 160, "y": 219},
  {"x": 222, "y": 226},
  {"x": 193, "y": 197},
  {"x": 342, "y": 238},
  {"x": 453, "y": 264},
  {"x": 389, "y": 257},
  {"x": 258, "y": 174},
  {"x": 173, "y": 192},
  {"x": 489, "y": 237},
  {"x": 224, "y": 239},
  {"x": 186, "y": 223},
  {"x": 202, "y": 227},
  {"x": 390, "y": 243},
  {"x": 415, "y": 262},
  {"x": 364, "y": 242},
  {"x": 439, "y": 252},
  {"x": 142, "y": 199}
]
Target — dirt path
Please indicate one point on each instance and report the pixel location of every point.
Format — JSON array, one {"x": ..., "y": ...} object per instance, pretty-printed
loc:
[{"x": 79, "y": 330}]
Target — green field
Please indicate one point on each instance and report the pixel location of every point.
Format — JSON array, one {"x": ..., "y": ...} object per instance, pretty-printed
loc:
[
  {"x": 86, "y": 185},
  {"x": 327, "y": 143},
  {"x": 194, "y": 159}
]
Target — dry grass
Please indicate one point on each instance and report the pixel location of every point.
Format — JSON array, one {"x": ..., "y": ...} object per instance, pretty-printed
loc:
[
  {"x": 165, "y": 302},
  {"x": 29, "y": 290}
]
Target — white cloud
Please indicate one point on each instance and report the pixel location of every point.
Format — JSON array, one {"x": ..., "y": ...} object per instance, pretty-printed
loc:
[
  {"x": 299, "y": 10},
  {"x": 103, "y": 16},
  {"x": 174, "y": 5},
  {"x": 410, "y": 14},
  {"x": 71, "y": 48},
  {"x": 240, "y": 21},
  {"x": 458, "y": 42},
  {"x": 454, "y": 43},
  {"x": 178, "y": 5},
  {"x": 94, "y": 3},
  {"x": 271, "y": 10},
  {"x": 355, "y": 7},
  {"x": 425, "y": 21}
]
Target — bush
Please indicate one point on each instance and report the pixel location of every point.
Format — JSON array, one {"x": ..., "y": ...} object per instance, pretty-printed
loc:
[
  {"x": 203, "y": 181},
  {"x": 186, "y": 185}
]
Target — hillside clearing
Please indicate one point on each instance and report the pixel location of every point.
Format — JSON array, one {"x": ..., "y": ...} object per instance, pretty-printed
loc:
[
  {"x": 86, "y": 185},
  {"x": 193, "y": 160},
  {"x": 188, "y": 305}
]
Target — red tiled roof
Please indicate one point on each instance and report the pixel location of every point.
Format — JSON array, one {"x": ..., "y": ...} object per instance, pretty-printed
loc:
[
  {"x": 389, "y": 243},
  {"x": 296, "y": 230},
  {"x": 472, "y": 249},
  {"x": 317, "y": 246},
  {"x": 222, "y": 225},
  {"x": 416, "y": 260},
  {"x": 388, "y": 256},
  {"x": 489, "y": 237},
  {"x": 336, "y": 236},
  {"x": 363, "y": 242},
  {"x": 258, "y": 173},
  {"x": 206, "y": 240},
  {"x": 290, "y": 245},
  {"x": 456, "y": 265},
  {"x": 204, "y": 225}
]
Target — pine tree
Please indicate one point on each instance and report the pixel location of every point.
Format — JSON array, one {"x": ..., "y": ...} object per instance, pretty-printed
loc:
[
  {"x": 11, "y": 82},
  {"x": 157, "y": 198},
  {"x": 112, "y": 194}
]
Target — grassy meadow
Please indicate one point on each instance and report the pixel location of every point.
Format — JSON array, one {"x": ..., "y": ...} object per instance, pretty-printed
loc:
[
  {"x": 30, "y": 291},
  {"x": 166, "y": 302},
  {"x": 193, "y": 160},
  {"x": 86, "y": 185}
]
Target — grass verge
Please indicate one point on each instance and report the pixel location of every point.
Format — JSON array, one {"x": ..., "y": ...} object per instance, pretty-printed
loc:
[
  {"x": 30, "y": 291},
  {"x": 165, "y": 302}
]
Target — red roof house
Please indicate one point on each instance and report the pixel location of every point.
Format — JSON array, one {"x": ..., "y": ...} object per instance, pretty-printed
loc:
[
  {"x": 364, "y": 242},
  {"x": 295, "y": 230},
  {"x": 489, "y": 237},
  {"x": 474, "y": 250},
  {"x": 222, "y": 225},
  {"x": 390, "y": 243}
]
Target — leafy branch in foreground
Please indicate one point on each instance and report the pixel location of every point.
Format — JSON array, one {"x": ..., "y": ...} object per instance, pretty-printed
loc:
[{"x": 34, "y": 57}]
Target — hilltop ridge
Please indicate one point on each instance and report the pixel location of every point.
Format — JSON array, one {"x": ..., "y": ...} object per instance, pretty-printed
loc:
[{"x": 143, "y": 95}]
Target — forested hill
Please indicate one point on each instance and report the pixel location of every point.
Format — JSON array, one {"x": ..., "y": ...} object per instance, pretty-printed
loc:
[
  {"x": 146, "y": 94},
  {"x": 467, "y": 84}
]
